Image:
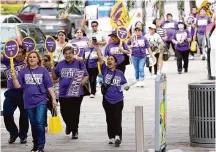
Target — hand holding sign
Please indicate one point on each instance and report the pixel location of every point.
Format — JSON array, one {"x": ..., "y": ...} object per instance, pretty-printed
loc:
[
  {"x": 50, "y": 46},
  {"x": 76, "y": 50},
  {"x": 11, "y": 49}
]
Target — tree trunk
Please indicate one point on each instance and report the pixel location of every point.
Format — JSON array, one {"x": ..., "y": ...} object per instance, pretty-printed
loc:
[
  {"x": 161, "y": 9},
  {"x": 192, "y": 3},
  {"x": 144, "y": 15}
]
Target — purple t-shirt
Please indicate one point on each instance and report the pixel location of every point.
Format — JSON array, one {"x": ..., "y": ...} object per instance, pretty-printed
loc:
[
  {"x": 93, "y": 58},
  {"x": 114, "y": 93},
  {"x": 32, "y": 96},
  {"x": 182, "y": 35},
  {"x": 140, "y": 46},
  {"x": 201, "y": 23},
  {"x": 81, "y": 43},
  {"x": 17, "y": 66},
  {"x": 170, "y": 28},
  {"x": 70, "y": 76},
  {"x": 113, "y": 49}
]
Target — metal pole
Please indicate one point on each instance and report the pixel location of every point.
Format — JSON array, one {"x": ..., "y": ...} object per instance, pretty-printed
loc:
[{"x": 139, "y": 129}]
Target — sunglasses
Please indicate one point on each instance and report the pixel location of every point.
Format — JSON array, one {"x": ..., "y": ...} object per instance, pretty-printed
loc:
[
  {"x": 45, "y": 60},
  {"x": 94, "y": 26}
]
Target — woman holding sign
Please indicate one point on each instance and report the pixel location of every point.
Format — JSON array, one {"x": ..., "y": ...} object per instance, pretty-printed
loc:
[
  {"x": 114, "y": 48},
  {"x": 35, "y": 80},
  {"x": 72, "y": 75},
  {"x": 112, "y": 89},
  {"x": 14, "y": 99},
  {"x": 81, "y": 42}
]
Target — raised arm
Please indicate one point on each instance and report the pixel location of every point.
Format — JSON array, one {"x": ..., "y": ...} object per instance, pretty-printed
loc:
[
  {"x": 100, "y": 57},
  {"x": 83, "y": 24}
]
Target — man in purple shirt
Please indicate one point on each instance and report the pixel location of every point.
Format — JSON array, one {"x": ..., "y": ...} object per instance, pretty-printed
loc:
[
  {"x": 14, "y": 99},
  {"x": 170, "y": 26},
  {"x": 113, "y": 48},
  {"x": 200, "y": 30}
]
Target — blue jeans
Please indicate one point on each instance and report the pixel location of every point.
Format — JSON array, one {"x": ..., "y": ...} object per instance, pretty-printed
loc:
[
  {"x": 139, "y": 64},
  {"x": 37, "y": 116},
  {"x": 14, "y": 99}
]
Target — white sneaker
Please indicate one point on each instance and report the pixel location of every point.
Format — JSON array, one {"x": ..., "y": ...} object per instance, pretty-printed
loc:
[
  {"x": 142, "y": 84},
  {"x": 92, "y": 96},
  {"x": 153, "y": 76},
  {"x": 117, "y": 141},
  {"x": 137, "y": 84},
  {"x": 111, "y": 141},
  {"x": 191, "y": 57}
]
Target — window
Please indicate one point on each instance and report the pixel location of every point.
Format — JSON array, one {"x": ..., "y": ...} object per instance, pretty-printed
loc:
[
  {"x": 8, "y": 32},
  {"x": 37, "y": 35},
  {"x": 34, "y": 10},
  {"x": 23, "y": 32},
  {"x": 49, "y": 11},
  {"x": 13, "y": 20},
  {"x": 26, "y": 9}
]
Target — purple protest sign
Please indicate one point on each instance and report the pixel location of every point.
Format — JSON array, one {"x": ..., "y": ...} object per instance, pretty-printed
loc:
[
  {"x": 50, "y": 44},
  {"x": 29, "y": 43},
  {"x": 11, "y": 49},
  {"x": 122, "y": 33},
  {"x": 76, "y": 49}
]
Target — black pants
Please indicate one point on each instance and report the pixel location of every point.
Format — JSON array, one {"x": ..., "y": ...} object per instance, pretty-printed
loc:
[
  {"x": 113, "y": 118},
  {"x": 182, "y": 55},
  {"x": 14, "y": 99},
  {"x": 93, "y": 72},
  {"x": 121, "y": 67},
  {"x": 172, "y": 45},
  {"x": 156, "y": 65},
  {"x": 70, "y": 111}
]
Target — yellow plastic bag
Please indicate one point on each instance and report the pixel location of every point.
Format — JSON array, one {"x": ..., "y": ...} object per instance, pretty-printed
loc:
[
  {"x": 55, "y": 125},
  {"x": 193, "y": 46}
]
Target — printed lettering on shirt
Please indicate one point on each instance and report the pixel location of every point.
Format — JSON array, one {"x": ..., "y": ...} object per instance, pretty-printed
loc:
[
  {"x": 17, "y": 70},
  {"x": 169, "y": 25},
  {"x": 181, "y": 36},
  {"x": 202, "y": 22},
  {"x": 37, "y": 77},
  {"x": 115, "y": 50},
  {"x": 92, "y": 56},
  {"x": 116, "y": 81},
  {"x": 74, "y": 88},
  {"x": 82, "y": 44},
  {"x": 67, "y": 72}
]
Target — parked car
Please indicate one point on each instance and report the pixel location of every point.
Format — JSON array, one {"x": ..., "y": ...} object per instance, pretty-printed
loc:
[
  {"x": 9, "y": 19},
  {"x": 19, "y": 32},
  {"x": 47, "y": 16}
]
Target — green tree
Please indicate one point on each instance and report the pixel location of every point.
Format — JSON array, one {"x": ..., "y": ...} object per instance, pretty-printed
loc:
[{"x": 160, "y": 4}]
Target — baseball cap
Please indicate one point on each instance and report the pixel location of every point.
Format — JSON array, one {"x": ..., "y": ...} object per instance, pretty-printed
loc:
[
  {"x": 113, "y": 33},
  {"x": 152, "y": 26}
]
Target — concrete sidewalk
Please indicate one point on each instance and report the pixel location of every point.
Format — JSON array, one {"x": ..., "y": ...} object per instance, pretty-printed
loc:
[{"x": 92, "y": 132}]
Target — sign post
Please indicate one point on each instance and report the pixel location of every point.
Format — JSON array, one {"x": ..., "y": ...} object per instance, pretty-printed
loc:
[
  {"x": 122, "y": 34},
  {"x": 11, "y": 50},
  {"x": 160, "y": 112},
  {"x": 50, "y": 46}
]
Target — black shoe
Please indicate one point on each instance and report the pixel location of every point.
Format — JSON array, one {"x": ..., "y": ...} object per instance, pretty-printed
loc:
[
  {"x": 40, "y": 150},
  {"x": 75, "y": 135},
  {"x": 186, "y": 70},
  {"x": 34, "y": 149},
  {"x": 67, "y": 131},
  {"x": 23, "y": 140},
  {"x": 12, "y": 139}
]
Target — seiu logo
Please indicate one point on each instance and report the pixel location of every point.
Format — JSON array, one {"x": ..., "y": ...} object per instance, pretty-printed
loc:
[
  {"x": 37, "y": 77},
  {"x": 116, "y": 81},
  {"x": 67, "y": 72},
  {"x": 115, "y": 50},
  {"x": 17, "y": 70}
]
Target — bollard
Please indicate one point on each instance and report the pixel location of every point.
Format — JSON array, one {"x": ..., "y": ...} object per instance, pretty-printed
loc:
[{"x": 139, "y": 129}]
